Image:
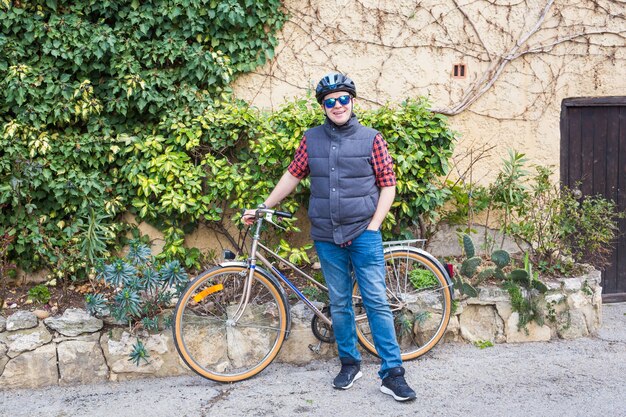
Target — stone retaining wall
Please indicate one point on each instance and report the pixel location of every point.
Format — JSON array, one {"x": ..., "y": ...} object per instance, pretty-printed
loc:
[{"x": 76, "y": 348}]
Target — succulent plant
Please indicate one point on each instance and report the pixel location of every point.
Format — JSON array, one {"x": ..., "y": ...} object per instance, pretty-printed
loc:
[
  {"x": 468, "y": 246},
  {"x": 501, "y": 258},
  {"x": 519, "y": 276},
  {"x": 470, "y": 266}
]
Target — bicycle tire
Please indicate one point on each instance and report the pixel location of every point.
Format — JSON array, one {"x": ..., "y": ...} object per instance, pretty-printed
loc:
[
  {"x": 420, "y": 299},
  {"x": 210, "y": 344}
]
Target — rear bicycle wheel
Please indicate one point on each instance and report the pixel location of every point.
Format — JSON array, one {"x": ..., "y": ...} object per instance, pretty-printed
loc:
[
  {"x": 420, "y": 300},
  {"x": 208, "y": 340}
]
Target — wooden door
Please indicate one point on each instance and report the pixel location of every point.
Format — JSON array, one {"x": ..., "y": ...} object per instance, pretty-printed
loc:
[{"x": 593, "y": 152}]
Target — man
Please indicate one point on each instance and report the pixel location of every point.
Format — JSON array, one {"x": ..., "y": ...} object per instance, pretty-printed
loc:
[{"x": 352, "y": 189}]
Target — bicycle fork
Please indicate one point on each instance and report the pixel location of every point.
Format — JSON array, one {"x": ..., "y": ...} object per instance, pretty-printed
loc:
[{"x": 247, "y": 288}]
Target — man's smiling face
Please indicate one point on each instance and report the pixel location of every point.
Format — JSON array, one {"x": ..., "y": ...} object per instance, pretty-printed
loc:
[{"x": 338, "y": 114}]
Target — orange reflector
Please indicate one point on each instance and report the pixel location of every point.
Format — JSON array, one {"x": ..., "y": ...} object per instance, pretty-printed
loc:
[{"x": 210, "y": 290}]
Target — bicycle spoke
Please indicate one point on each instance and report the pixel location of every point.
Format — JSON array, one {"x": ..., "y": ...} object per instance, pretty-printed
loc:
[
  {"x": 212, "y": 342},
  {"x": 419, "y": 298}
]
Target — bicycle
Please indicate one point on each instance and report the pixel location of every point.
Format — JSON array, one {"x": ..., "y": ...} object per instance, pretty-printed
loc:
[{"x": 231, "y": 321}]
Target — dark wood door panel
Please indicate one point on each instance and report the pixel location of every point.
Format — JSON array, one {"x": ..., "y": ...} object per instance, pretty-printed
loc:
[{"x": 593, "y": 157}]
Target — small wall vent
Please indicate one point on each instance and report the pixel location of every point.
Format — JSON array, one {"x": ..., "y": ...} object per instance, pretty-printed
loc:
[{"x": 459, "y": 71}]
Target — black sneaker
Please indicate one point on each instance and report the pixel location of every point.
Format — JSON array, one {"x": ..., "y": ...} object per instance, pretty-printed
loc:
[
  {"x": 395, "y": 385},
  {"x": 348, "y": 374}
]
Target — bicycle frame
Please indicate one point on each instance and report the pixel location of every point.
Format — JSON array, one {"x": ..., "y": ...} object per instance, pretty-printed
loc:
[
  {"x": 252, "y": 262},
  {"x": 409, "y": 245}
]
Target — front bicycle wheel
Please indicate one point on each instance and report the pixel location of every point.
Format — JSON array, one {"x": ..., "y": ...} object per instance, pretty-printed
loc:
[
  {"x": 208, "y": 339},
  {"x": 420, "y": 300}
]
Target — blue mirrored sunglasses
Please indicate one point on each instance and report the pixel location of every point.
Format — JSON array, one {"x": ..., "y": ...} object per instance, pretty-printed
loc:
[{"x": 343, "y": 100}]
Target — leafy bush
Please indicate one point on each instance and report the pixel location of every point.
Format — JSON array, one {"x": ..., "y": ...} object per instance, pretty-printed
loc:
[
  {"x": 114, "y": 105},
  {"x": 231, "y": 156},
  {"x": 39, "y": 293},
  {"x": 297, "y": 256},
  {"x": 549, "y": 221},
  {"x": 80, "y": 82},
  {"x": 423, "y": 278},
  {"x": 556, "y": 225}
]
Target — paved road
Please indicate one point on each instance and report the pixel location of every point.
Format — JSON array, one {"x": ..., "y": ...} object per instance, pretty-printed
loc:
[{"x": 584, "y": 377}]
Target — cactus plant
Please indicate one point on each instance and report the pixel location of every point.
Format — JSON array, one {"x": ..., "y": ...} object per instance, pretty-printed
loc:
[
  {"x": 539, "y": 286},
  {"x": 468, "y": 246},
  {"x": 470, "y": 266},
  {"x": 485, "y": 274},
  {"x": 501, "y": 258},
  {"x": 520, "y": 276},
  {"x": 464, "y": 288},
  {"x": 499, "y": 273}
]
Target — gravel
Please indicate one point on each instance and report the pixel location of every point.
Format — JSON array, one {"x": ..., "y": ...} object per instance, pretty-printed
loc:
[{"x": 583, "y": 377}]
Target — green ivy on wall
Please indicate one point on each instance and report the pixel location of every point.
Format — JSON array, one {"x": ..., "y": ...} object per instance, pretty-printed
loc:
[
  {"x": 80, "y": 81},
  {"x": 114, "y": 106}
]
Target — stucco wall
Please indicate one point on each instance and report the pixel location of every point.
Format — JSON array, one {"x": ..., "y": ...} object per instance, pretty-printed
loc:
[{"x": 522, "y": 58}]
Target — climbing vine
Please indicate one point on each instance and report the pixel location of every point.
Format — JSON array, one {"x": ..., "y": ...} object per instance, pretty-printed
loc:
[
  {"x": 114, "y": 106},
  {"x": 81, "y": 82},
  {"x": 528, "y": 48}
]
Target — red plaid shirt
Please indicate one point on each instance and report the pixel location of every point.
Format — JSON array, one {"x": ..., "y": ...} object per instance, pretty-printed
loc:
[{"x": 381, "y": 162}]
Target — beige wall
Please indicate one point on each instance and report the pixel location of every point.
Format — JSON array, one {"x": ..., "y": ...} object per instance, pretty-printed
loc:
[{"x": 523, "y": 58}]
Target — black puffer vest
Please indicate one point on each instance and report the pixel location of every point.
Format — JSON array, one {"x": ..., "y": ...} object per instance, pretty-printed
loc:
[{"x": 344, "y": 194}]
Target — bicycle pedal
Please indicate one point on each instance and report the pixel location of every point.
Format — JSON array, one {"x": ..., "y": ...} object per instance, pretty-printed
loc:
[{"x": 316, "y": 348}]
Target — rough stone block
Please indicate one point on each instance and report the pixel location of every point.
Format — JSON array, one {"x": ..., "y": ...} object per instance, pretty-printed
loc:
[
  {"x": 73, "y": 322},
  {"x": 491, "y": 295},
  {"x": 31, "y": 369},
  {"x": 572, "y": 284},
  {"x": 81, "y": 362},
  {"x": 555, "y": 298},
  {"x": 3, "y": 356},
  {"x": 24, "y": 340},
  {"x": 480, "y": 322},
  {"x": 163, "y": 359},
  {"x": 296, "y": 348},
  {"x": 573, "y": 325},
  {"x": 578, "y": 300},
  {"x": 592, "y": 318},
  {"x": 21, "y": 320},
  {"x": 504, "y": 310},
  {"x": 453, "y": 330},
  {"x": 3, "y": 324},
  {"x": 89, "y": 337},
  {"x": 533, "y": 332}
]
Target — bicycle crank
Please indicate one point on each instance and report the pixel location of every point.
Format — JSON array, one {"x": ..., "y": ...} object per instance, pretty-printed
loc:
[{"x": 322, "y": 331}]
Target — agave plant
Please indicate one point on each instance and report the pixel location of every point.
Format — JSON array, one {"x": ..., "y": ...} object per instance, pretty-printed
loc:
[
  {"x": 150, "y": 324},
  {"x": 144, "y": 289},
  {"x": 119, "y": 272},
  {"x": 127, "y": 305},
  {"x": 139, "y": 253},
  {"x": 149, "y": 280},
  {"x": 95, "y": 304},
  {"x": 173, "y": 274},
  {"x": 138, "y": 353}
]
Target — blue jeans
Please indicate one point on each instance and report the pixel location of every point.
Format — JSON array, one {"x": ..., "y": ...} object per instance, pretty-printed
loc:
[{"x": 365, "y": 257}]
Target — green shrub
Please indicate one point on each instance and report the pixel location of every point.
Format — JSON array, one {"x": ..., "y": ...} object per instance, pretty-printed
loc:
[
  {"x": 555, "y": 224},
  {"x": 423, "y": 278},
  {"x": 551, "y": 222},
  {"x": 80, "y": 82},
  {"x": 39, "y": 294}
]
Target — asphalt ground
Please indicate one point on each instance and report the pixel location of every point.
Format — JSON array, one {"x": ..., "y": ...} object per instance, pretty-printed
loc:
[{"x": 582, "y": 377}]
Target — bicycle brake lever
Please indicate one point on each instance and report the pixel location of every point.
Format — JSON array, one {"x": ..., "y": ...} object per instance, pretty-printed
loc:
[{"x": 268, "y": 218}]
